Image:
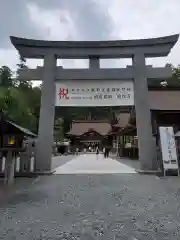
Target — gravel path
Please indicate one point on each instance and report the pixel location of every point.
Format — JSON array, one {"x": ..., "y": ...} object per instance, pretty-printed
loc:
[{"x": 108, "y": 206}]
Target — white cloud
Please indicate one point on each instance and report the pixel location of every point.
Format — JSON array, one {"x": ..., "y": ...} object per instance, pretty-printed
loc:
[
  {"x": 144, "y": 19},
  {"x": 8, "y": 57},
  {"x": 54, "y": 24}
]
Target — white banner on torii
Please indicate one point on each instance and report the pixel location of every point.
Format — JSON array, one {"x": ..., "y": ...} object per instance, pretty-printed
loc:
[{"x": 94, "y": 93}]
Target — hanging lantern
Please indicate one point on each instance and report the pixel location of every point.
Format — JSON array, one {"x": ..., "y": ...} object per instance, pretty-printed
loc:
[{"x": 11, "y": 140}]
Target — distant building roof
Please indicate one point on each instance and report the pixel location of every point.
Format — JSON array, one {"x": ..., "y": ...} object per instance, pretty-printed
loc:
[
  {"x": 23, "y": 130},
  {"x": 79, "y": 127},
  {"x": 123, "y": 120}
]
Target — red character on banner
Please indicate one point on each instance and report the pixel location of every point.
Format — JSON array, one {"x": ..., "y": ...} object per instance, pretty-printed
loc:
[{"x": 63, "y": 93}]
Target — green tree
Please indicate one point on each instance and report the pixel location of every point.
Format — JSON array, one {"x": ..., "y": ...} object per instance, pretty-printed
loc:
[
  {"x": 6, "y": 77},
  {"x": 23, "y": 84},
  {"x": 19, "y": 100},
  {"x": 35, "y": 101},
  {"x": 4, "y": 98},
  {"x": 31, "y": 97},
  {"x": 175, "y": 73}
]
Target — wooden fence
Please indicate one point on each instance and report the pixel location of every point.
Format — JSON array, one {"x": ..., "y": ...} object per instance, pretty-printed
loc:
[{"x": 24, "y": 164}]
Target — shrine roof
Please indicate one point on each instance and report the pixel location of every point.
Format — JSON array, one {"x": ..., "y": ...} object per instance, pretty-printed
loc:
[
  {"x": 79, "y": 127},
  {"x": 123, "y": 120}
]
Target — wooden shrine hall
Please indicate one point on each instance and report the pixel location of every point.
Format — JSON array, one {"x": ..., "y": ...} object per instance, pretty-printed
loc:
[{"x": 89, "y": 133}]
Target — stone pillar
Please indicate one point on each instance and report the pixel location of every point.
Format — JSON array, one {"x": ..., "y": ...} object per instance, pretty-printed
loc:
[
  {"x": 146, "y": 144},
  {"x": 94, "y": 62},
  {"x": 43, "y": 156}
]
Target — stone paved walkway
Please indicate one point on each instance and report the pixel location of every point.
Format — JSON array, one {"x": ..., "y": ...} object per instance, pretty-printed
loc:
[
  {"x": 93, "y": 164},
  {"x": 61, "y": 160}
]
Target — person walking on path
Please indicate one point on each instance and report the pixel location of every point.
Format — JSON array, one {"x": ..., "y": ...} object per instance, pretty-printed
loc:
[
  {"x": 77, "y": 151},
  {"x": 97, "y": 151},
  {"x": 105, "y": 152},
  {"x": 104, "y": 149},
  {"x": 108, "y": 151}
]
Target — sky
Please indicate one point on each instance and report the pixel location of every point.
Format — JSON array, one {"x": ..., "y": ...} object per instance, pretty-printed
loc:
[{"x": 87, "y": 20}]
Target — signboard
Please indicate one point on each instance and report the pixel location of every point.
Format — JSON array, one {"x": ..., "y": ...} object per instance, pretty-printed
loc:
[
  {"x": 168, "y": 148},
  {"x": 95, "y": 93}
]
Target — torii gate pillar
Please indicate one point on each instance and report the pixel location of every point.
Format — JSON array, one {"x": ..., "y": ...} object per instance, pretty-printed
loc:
[
  {"x": 46, "y": 120},
  {"x": 146, "y": 144}
]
